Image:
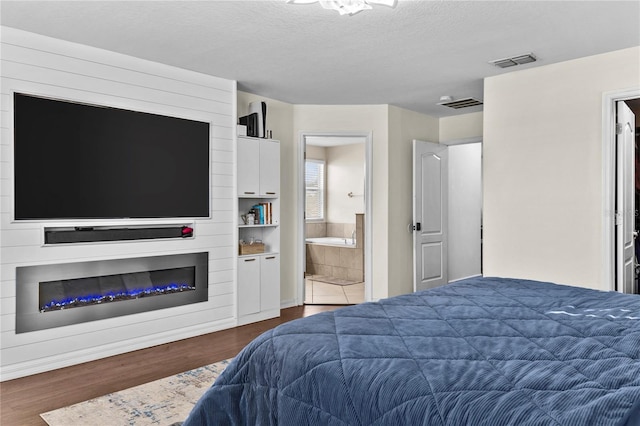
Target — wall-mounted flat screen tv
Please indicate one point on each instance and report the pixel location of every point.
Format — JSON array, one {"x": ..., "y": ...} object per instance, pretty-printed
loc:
[{"x": 80, "y": 161}]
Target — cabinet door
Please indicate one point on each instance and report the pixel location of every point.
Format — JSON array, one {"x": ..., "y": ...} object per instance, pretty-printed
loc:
[
  {"x": 269, "y": 168},
  {"x": 248, "y": 285},
  {"x": 270, "y": 282},
  {"x": 248, "y": 167}
]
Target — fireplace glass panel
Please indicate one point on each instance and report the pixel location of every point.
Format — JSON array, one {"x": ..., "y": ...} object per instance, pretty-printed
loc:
[{"x": 78, "y": 292}]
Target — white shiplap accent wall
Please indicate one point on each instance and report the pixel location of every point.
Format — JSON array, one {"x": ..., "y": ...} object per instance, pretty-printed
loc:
[{"x": 44, "y": 66}]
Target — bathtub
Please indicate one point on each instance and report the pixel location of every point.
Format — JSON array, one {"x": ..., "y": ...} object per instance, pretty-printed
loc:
[
  {"x": 334, "y": 257},
  {"x": 332, "y": 241}
]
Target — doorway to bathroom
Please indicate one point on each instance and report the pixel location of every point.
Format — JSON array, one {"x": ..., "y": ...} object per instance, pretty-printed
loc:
[{"x": 335, "y": 210}]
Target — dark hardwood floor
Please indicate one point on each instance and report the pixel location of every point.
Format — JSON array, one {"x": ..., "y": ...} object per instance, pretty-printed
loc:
[{"x": 22, "y": 400}]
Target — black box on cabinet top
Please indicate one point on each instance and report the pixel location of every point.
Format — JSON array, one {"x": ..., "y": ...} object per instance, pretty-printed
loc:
[{"x": 251, "y": 121}]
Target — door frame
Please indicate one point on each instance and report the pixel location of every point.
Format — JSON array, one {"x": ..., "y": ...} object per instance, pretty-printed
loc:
[
  {"x": 609, "y": 101},
  {"x": 368, "y": 208}
]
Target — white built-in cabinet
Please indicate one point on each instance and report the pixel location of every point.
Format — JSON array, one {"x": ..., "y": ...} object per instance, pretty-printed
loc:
[
  {"x": 258, "y": 183},
  {"x": 258, "y": 284},
  {"x": 258, "y": 167}
]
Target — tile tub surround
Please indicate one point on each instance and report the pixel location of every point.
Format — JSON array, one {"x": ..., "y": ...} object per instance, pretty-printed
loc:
[
  {"x": 342, "y": 230},
  {"x": 339, "y": 262},
  {"x": 315, "y": 229},
  {"x": 339, "y": 230}
]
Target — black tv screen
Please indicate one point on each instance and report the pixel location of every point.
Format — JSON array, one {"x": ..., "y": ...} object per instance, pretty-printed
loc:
[{"x": 80, "y": 161}]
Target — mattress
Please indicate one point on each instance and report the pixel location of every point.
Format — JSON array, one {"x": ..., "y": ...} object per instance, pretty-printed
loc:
[{"x": 482, "y": 351}]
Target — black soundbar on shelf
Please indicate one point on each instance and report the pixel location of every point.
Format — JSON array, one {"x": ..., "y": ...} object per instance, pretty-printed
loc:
[{"x": 90, "y": 234}]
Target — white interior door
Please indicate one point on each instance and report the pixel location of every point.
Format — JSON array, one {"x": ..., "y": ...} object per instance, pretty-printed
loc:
[
  {"x": 625, "y": 198},
  {"x": 430, "y": 203}
]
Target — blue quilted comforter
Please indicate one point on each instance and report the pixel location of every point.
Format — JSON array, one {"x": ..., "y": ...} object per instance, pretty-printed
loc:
[{"x": 484, "y": 351}]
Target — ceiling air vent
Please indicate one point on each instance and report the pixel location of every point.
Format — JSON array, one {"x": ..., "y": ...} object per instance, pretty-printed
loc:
[
  {"x": 513, "y": 61},
  {"x": 461, "y": 103}
]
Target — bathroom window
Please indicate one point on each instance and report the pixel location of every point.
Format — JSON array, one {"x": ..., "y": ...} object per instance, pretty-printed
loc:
[{"x": 314, "y": 189}]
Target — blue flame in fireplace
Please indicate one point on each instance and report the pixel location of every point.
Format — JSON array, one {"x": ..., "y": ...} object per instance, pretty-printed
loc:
[{"x": 113, "y": 296}]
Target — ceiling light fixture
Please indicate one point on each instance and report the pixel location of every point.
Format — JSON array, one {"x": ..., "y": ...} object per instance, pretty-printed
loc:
[{"x": 347, "y": 7}]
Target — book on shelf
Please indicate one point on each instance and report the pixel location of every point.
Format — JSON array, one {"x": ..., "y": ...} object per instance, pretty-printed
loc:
[
  {"x": 267, "y": 216},
  {"x": 264, "y": 213}
]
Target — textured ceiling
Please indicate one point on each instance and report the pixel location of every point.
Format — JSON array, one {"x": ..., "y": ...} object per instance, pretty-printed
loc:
[{"x": 302, "y": 54}]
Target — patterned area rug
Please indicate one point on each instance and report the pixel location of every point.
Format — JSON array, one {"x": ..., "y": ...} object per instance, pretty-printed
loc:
[{"x": 161, "y": 402}]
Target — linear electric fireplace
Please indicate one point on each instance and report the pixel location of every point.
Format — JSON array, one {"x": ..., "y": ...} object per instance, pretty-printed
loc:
[{"x": 49, "y": 296}]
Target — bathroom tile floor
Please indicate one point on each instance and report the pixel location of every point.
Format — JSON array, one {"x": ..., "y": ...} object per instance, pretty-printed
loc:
[{"x": 321, "y": 293}]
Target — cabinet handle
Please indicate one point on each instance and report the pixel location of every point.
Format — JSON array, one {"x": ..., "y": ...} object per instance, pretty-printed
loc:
[
  {"x": 270, "y": 257},
  {"x": 271, "y": 193},
  {"x": 249, "y": 192},
  {"x": 250, "y": 260}
]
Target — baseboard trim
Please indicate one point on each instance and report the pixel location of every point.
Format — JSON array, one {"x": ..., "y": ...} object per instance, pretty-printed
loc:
[
  {"x": 290, "y": 303},
  {"x": 42, "y": 365},
  {"x": 260, "y": 316}
]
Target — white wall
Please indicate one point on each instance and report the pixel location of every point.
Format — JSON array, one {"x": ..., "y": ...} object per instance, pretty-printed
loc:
[
  {"x": 462, "y": 126},
  {"x": 465, "y": 208},
  {"x": 543, "y": 195},
  {"x": 352, "y": 118},
  {"x": 40, "y": 65},
  {"x": 404, "y": 127},
  {"x": 345, "y": 174}
]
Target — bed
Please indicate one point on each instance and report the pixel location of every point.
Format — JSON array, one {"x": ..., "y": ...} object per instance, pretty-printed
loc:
[{"x": 482, "y": 351}]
